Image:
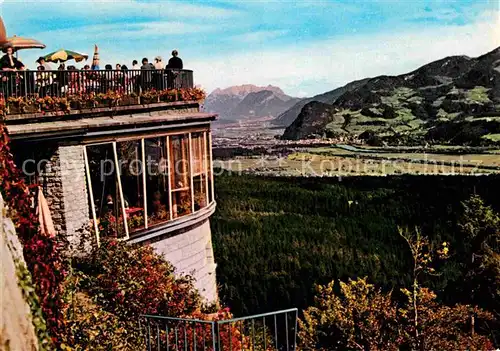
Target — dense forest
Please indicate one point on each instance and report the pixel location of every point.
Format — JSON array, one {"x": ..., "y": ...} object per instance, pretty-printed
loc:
[{"x": 275, "y": 238}]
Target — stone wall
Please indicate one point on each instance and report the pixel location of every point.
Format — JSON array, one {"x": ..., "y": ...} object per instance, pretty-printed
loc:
[
  {"x": 16, "y": 330},
  {"x": 191, "y": 253},
  {"x": 65, "y": 188}
]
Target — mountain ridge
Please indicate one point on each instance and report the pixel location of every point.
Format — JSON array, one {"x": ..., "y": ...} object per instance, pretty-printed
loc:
[
  {"x": 248, "y": 100},
  {"x": 245, "y": 89},
  {"x": 287, "y": 117},
  {"x": 452, "y": 100}
]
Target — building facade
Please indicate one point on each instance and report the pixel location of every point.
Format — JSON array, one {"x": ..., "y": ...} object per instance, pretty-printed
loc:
[{"x": 138, "y": 171}]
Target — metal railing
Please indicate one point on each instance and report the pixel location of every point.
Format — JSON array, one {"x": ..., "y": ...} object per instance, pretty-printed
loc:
[
  {"x": 262, "y": 332},
  {"x": 67, "y": 82}
]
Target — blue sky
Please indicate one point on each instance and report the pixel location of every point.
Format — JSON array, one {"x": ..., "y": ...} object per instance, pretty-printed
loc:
[{"x": 305, "y": 47}]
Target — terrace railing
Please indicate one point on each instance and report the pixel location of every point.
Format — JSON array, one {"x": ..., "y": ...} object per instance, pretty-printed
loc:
[
  {"x": 64, "y": 83},
  {"x": 262, "y": 332}
]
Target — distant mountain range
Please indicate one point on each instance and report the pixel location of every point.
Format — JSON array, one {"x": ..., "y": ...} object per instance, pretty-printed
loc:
[
  {"x": 454, "y": 100},
  {"x": 248, "y": 100}
]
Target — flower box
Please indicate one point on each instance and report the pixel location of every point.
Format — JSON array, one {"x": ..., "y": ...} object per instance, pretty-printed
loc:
[
  {"x": 19, "y": 105},
  {"x": 101, "y": 104},
  {"x": 13, "y": 109},
  {"x": 113, "y": 102},
  {"x": 107, "y": 103},
  {"x": 170, "y": 96},
  {"x": 81, "y": 105},
  {"x": 30, "y": 108},
  {"x": 129, "y": 100},
  {"x": 47, "y": 108},
  {"x": 148, "y": 100}
]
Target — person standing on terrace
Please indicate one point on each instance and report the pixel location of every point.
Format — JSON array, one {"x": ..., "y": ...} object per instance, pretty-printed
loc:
[
  {"x": 158, "y": 62},
  {"x": 47, "y": 66},
  {"x": 146, "y": 75},
  {"x": 11, "y": 83},
  {"x": 157, "y": 76},
  {"x": 44, "y": 81},
  {"x": 8, "y": 62},
  {"x": 175, "y": 62}
]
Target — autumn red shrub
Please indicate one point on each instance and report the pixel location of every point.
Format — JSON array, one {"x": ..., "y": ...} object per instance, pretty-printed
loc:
[
  {"x": 43, "y": 255},
  {"x": 49, "y": 269},
  {"x": 131, "y": 280},
  {"x": 15, "y": 191}
]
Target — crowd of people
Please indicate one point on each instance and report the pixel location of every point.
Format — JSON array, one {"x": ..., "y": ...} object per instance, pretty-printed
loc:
[
  {"x": 68, "y": 79},
  {"x": 175, "y": 62}
]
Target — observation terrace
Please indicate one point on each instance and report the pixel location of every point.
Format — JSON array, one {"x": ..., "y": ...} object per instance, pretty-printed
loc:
[{"x": 124, "y": 154}]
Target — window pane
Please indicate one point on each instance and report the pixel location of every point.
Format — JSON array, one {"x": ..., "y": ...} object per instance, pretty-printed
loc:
[
  {"x": 180, "y": 176},
  {"x": 197, "y": 144},
  {"x": 157, "y": 180},
  {"x": 130, "y": 160},
  {"x": 199, "y": 171},
  {"x": 179, "y": 158},
  {"x": 105, "y": 190}
]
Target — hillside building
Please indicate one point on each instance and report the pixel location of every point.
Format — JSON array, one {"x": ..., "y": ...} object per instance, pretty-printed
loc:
[{"x": 119, "y": 155}]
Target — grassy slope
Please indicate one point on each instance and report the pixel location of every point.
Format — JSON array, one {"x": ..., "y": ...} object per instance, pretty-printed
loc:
[{"x": 405, "y": 121}]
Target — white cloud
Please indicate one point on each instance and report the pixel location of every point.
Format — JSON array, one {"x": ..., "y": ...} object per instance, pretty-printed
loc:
[
  {"x": 118, "y": 9},
  {"x": 258, "y": 36},
  {"x": 302, "y": 93},
  {"x": 131, "y": 30},
  {"x": 341, "y": 61}
]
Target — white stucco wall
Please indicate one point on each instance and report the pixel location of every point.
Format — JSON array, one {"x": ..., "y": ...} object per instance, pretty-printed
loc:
[{"x": 191, "y": 253}]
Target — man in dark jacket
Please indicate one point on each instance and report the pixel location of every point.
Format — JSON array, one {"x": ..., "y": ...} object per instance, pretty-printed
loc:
[{"x": 174, "y": 62}]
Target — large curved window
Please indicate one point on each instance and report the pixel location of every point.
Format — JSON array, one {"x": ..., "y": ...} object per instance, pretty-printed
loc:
[{"x": 148, "y": 181}]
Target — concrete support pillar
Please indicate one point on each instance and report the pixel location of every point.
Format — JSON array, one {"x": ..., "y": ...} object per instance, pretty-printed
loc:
[{"x": 191, "y": 253}]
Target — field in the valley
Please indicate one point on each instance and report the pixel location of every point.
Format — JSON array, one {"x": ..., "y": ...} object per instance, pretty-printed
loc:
[{"x": 329, "y": 161}]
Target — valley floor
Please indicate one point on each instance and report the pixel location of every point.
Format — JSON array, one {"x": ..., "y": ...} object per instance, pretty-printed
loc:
[
  {"x": 333, "y": 161},
  {"x": 252, "y": 147}
]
